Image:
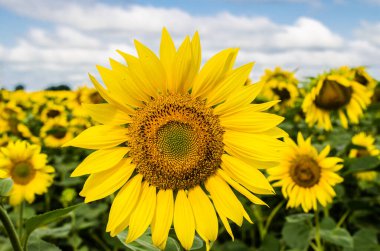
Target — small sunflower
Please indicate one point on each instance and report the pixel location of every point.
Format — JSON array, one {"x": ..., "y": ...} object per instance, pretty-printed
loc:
[
  {"x": 280, "y": 85},
  {"x": 335, "y": 92},
  {"x": 55, "y": 133},
  {"x": 367, "y": 148},
  {"x": 175, "y": 139},
  {"x": 27, "y": 167},
  {"x": 306, "y": 176},
  {"x": 362, "y": 77},
  {"x": 53, "y": 111}
]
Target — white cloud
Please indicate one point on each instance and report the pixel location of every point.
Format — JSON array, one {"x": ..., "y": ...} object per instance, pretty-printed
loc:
[{"x": 88, "y": 33}]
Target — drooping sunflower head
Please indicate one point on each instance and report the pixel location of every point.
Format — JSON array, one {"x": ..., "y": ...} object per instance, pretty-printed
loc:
[
  {"x": 305, "y": 176},
  {"x": 280, "y": 85},
  {"x": 28, "y": 168},
  {"x": 336, "y": 93},
  {"x": 172, "y": 136},
  {"x": 364, "y": 145},
  {"x": 362, "y": 77}
]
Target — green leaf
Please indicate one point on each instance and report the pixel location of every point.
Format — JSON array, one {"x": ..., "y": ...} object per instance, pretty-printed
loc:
[
  {"x": 5, "y": 186},
  {"x": 338, "y": 236},
  {"x": 36, "y": 244},
  {"x": 361, "y": 164},
  {"x": 297, "y": 234},
  {"x": 366, "y": 240},
  {"x": 46, "y": 218},
  {"x": 141, "y": 244},
  {"x": 197, "y": 244},
  {"x": 172, "y": 245},
  {"x": 295, "y": 218},
  {"x": 270, "y": 243},
  {"x": 328, "y": 223}
]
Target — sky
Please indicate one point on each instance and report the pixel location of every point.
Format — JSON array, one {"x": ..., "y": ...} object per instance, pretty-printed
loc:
[{"x": 49, "y": 42}]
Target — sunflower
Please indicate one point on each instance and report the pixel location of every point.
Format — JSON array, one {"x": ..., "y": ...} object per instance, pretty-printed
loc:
[
  {"x": 365, "y": 147},
  {"x": 280, "y": 85},
  {"x": 52, "y": 111},
  {"x": 172, "y": 137},
  {"x": 306, "y": 176},
  {"x": 26, "y": 165},
  {"x": 362, "y": 77},
  {"x": 335, "y": 92},
  {"x": 55, "y": 133}
]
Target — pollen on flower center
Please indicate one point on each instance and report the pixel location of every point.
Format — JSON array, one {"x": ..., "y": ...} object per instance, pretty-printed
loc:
[
  {"x": 305, "y": 171},
  {"x": 176, "y": 142},
  {"x": 333, "y": 95},
  {"x": 22, "y": 173}
]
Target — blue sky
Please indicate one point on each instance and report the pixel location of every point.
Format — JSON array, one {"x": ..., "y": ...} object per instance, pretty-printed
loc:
[{"x": 44, "y": 42}]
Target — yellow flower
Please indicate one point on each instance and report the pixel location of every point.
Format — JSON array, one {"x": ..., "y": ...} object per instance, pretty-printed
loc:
[
  {"x": 27, "y": 167},
  {"x": 55, "y": 133},
  {"x": 306, "y": 176},
  {"x": 280, "y": 85},
  {"x": 53, "y": 111},
  {"x": 362, "y": 77},
  {"x": 368, "y": 148},
  {"x": 175, "y": 139},
  {"x": 335, "y": 92}
]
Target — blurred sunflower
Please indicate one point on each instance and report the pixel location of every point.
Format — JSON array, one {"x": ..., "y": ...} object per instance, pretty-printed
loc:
[
  {"x": 366, "y": 148},
  {"x": 172, "y": 136},
  {"x": 362, "y": 77},
  {"x": 280, "y": 85},
  {"x": 306, "y": 176},
  {"x": 53, "y": 111},
  {"x": 26, "y": 165},
  {"x": 335, "y": 92},
  {"x": 55, "y": 133}
]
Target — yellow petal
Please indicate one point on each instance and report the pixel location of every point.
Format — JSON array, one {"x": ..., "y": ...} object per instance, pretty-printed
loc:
[
  {"x": 239, "y": 99},
  {"x": 102, "y": 184},
  {"x": 100, "y": 137},
  {"x": 100, "y": 160},
  {"x": 254, "y": 199},
  {"x": 196, "y": 50},
  {"x": 251, "y": 122},
  {"x": 182, "y": 75},
  {"x": 143, "y": 214},
  {"x": 206, "y": 222},
  {"x": 109, "y": 97},
  {"x": 224, "y": 199},
  {"x": 152, "y": 67},
  {"x": 184, "y": 223},
  {"x": 235, "y": 79},
  {"x": 163, "y": 218},
  {"x": 213, "y": 72},
  {"x": 244, "y": 173},
  {"x": 107, "y": 114},
  {"x": 167, "y": 54},
  {"x": 123, "y": 204}
]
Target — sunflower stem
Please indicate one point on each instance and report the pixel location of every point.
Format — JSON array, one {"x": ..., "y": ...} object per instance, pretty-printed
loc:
[
  {"x": 270, "y": 218},
  {"x": 20, "y": 218},
  {"x": 342, "y": 219},
  {"x": 317, "y": 231},
  {"x": 10, "y": 229}
]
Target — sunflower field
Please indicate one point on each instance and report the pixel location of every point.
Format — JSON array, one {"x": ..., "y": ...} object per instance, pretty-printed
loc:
[{"x": 171, "y": 155}]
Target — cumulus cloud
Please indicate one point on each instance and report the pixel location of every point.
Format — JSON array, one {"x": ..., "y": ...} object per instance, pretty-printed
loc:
[{"x": 84, "y": 36}]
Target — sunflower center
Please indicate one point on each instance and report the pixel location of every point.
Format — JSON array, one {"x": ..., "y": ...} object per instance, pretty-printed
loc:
[
  {"x": 362, "y": 153},
  {"x": 176, "y": 142},
  {"x": 282, "y": 93},
  {"x": 361, "y": 79},
  {"x": 53, "y": 113},
  {"x": 58, "y": 132},
  {"x": 305, "y": 171},
  {"x": 22, "y": 173},
  {"x": 333, "y": 95}
]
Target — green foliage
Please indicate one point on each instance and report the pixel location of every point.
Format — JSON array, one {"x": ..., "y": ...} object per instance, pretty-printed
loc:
[{"x": 5, "y": 187}]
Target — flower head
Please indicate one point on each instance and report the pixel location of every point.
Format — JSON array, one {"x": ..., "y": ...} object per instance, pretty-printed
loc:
[
  {"x": 305, "y": 176},
  {"x": 175, "y": 140},
  {"x": 27, "y": 167},
  {"x": 338, "y": 93}
]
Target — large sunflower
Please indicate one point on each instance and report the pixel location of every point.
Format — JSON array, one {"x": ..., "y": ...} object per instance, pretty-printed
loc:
[
  {"x": 175, "y": 139},
  {"x": 28, "y": 168},
  {"x": 280, "y": 85},
  {"x": 306, "y": 176},
  {"x": 335, "y": 92},
  {"x": 364, "y": 147}
]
